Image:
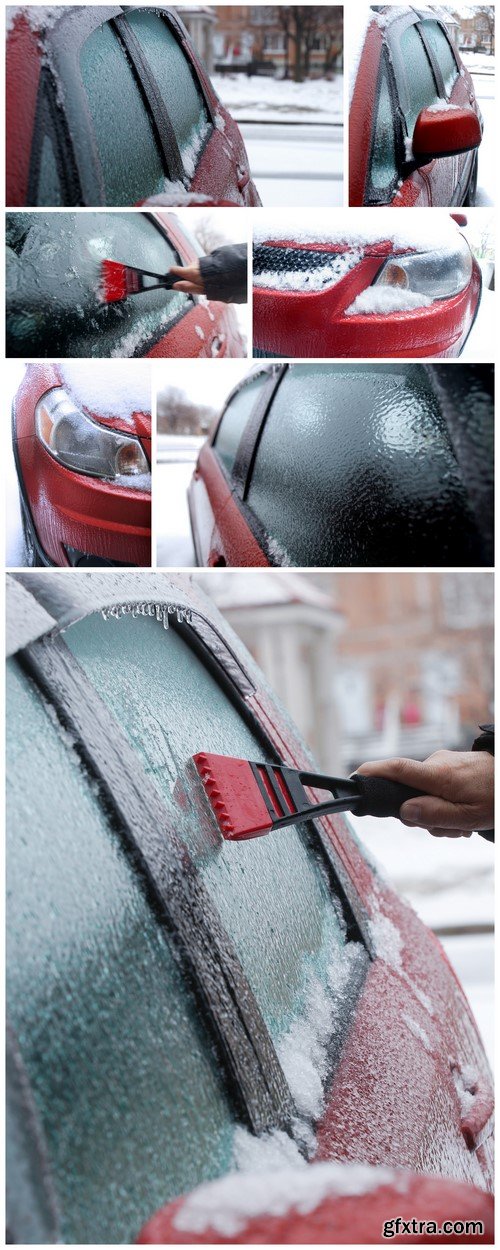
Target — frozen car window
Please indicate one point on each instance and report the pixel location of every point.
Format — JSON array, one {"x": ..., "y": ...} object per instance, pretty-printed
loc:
[
  {"x": 54, "y": 282},
  {"x": 177, "y": 84},
  {"x": 443, "y": 53},
  {"x": 421, "y": 88},
  {"x": 123, "y": 1074},
  {"x": 130, "y": 160},
  {"x": 383, "y": 168},
  {"x": 272, "y": 893},
  {"x": 49, "y": 183},
  {"x": 349, "y": 467},
  {"x": 235, "y": 418}
]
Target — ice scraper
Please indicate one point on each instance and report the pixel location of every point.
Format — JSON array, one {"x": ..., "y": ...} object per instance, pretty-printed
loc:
[
  {"x": 119, "y": 281},
  {"x": 249, "y": 800}
]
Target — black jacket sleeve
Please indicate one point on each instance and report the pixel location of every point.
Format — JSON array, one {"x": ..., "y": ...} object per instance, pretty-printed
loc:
[
  {"x": 486, "y": 742},
  {"x": 225, "y": 274}
]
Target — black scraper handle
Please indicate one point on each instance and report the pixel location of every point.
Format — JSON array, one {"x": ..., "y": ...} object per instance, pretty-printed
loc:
[{"x": 380, "y": 797}]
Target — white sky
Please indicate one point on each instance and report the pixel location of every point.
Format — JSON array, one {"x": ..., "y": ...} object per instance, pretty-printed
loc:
[{"x": 204, "y": 381}]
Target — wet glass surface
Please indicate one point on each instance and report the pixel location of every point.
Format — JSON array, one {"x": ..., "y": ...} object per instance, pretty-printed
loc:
[
  {"x": 419, "y": 79},
  {"x": 176, "y": 81},
  {"x": 235, "y": 418},
  {"x": 443, "y": 53},
  {"x": 272, "y": 893},
  {"x": 122, "y": 1070},
  {"x": 130, "y": 160},
  {"x": 383, "y": 170}
]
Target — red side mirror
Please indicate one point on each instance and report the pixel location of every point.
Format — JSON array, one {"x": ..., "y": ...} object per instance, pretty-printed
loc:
[
  {"x": 444, "y": 130},
  {"x": 325, "y": 1204}
]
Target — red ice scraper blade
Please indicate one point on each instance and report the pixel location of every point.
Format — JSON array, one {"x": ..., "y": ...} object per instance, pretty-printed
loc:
[{"x": 234, "y": 796}]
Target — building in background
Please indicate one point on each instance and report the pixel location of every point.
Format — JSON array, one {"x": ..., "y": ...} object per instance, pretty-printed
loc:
[
  {"x": 291, "y": 41},
  {"x": 291, "y": 626},
  {"x": 369, "y": 664},
  {"x": 476, "y": 27}
]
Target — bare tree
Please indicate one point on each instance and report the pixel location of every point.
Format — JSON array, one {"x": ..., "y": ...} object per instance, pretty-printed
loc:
[
  {"x": 302, "y": 25},
  {"x": 207, "y": 234}
]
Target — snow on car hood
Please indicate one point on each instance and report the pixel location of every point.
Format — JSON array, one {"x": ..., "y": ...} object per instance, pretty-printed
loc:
[
  {"x": 420, "y": 231},
  {"x": 108, "y": 389}
]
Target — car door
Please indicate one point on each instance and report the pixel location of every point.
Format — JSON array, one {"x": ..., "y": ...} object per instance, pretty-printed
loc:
[{"x": 165, "y": 987}]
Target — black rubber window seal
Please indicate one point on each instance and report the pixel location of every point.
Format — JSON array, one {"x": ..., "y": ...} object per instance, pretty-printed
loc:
[{"x": 50, "y": 120}]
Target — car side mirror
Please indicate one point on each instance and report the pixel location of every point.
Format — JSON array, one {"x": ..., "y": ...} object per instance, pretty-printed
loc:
[
  {"x": 324, "y": 1203},
  {"x": 444, "y": 131}
]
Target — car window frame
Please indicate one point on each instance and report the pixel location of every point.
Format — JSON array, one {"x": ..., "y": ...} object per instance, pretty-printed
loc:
[
  {"x": 238, "y": 477},
  {"x": 382, "y": 195},
  {"x": 64, "y": 42},
  {"x": 50, "y": 120}
]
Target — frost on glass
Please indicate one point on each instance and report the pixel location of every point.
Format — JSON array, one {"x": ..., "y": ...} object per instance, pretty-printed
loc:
[
  {"x": 130, "y": 160},
  {"x": 54, "y": 283},
  {"x": 178, "y": 87},
  {"x": 350, "y": 458},
  {"x": 122, "y": 1071},
  {"x": 419, "y": 79},
  {"x": 443, "y": 53},
  {"x": 235, "y": 418},
  {"x": 383, "y": 169},
  {"x": 272, "y": 892},
  {"x": 49, "y": 183}
]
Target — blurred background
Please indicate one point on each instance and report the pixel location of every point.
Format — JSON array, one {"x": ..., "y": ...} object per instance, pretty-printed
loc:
[
  {"x": 279, "y": 70},
  {"x": 372, "y": 665}
]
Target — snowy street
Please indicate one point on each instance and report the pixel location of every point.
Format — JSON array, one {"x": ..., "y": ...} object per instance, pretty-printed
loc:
[
  {"x": 174, "y": 469},
  {"x": 295, "y": 163},
  {"x": 293, "y": 134}
]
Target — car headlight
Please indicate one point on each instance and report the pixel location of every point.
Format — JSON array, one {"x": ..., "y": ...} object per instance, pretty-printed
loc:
[
  {"x": 85, "y": 446},
  {"x": 436, "y": 275}
]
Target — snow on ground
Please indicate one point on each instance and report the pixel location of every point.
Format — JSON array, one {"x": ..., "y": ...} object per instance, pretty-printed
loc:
[
  {"x": 293, "y": 135},
  {"x": 300, "y": 165},
  {"x": 174, "y": 542},
  {"x": 484, "y": 87},
  {"x": 276, "y": 99}
]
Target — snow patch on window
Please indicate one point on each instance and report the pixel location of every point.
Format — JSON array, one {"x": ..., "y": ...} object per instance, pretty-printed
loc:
[
  {"x": 303, "y": 1051},
  {"x": 227, "y": 1205},
  {"x": 278, "y": 553},
  {"x": 191, "y": 148},
  {"x": 385, "y": 299},
  {"x": 408, "y": 150},
  {"x": 418, "y": 1031},
  {"x": 107, "y": 389},
  {"x": 265, "y": 1153}
]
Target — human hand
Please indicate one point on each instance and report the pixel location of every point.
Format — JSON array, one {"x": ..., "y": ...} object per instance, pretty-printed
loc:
[
  {"x": 458, "y": 786},
  {"x": 190, "y": 279}
]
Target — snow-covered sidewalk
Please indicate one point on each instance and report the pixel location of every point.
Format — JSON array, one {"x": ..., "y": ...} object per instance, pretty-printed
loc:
[{"x": 281, "y": 100}]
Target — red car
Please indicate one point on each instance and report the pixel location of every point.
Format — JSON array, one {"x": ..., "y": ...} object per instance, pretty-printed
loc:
[
  {"x": 111, "y": 105},
  {"x": 54, "y": 289},
  {"x": 414, "y": 122},
  {"x": 83, "y": 457},
  {"x": 332, "y": 466},
  {"x": 267, "y": 1015},
  {"x": 368, "y": 286}
]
